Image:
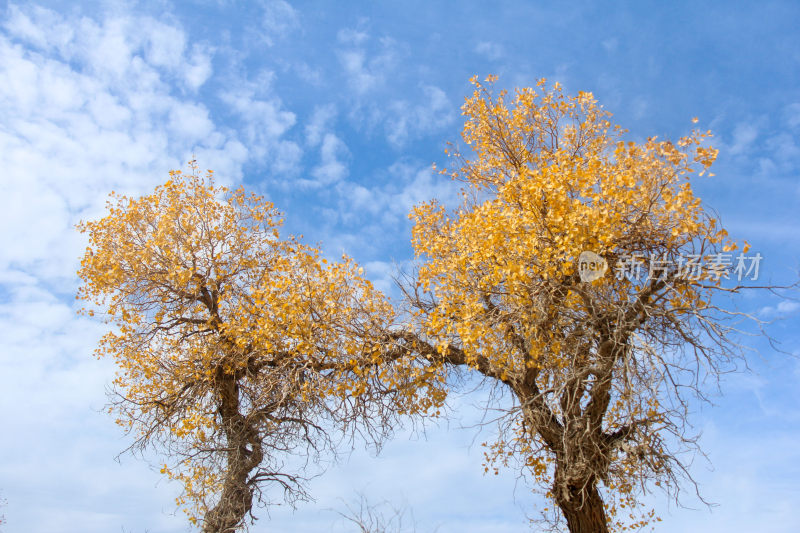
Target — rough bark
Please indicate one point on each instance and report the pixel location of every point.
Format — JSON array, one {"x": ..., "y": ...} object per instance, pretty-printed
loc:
[
  {"x": 583, "y": 508},
  {"x": 575, "y": 482},
  {"x": 243, "y": 456}
]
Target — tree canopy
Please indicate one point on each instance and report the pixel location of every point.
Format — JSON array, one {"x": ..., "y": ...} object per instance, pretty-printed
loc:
[
  {"x": 235, "y": 348},
  {"x": 600, "y": 367},
  {"x": 579, "y": 275}
]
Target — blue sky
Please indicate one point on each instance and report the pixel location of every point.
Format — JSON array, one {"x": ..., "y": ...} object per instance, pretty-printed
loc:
[{"x": 336, "y": 112}]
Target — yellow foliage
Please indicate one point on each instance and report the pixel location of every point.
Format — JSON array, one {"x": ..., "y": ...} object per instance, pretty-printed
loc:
[
  {"x": 200, "y": 290},
  {"x": 549, "y": 177}
]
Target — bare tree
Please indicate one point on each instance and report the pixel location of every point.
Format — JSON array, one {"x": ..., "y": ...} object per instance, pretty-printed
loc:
[
  {"x": 382, "y": 517},
  {"x": 3, "y": 503}
]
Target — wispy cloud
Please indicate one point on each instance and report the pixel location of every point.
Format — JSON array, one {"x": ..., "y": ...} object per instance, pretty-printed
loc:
[
  {"x": 743, "y": 137},
  {"x": 490, "y": 50},
  {"x": 88, "y": 105},
  {"x": 319, "y": 123},
  {"x": 332, "y": 168},
  {"x": 430, "y": 113},
  {"x": 364, "y": 70},
  {"x": 87, "y": 108},
  {"x": 279, "y": 19},
  {"x": 339, "y": 111},
  {"x": 263, "y": 121},
  {"x": 786, "y": 307},
  {"x": 395, "y": 194}
]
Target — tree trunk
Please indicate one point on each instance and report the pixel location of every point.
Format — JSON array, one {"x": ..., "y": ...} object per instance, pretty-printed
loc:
[
  {"x": 244, "y": 454},
  {"x": 234, "y": 504},
  {"x": 583, "y": 509}
]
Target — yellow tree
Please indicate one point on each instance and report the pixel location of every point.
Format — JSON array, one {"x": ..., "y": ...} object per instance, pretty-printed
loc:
[
  {"x": 236, "y": 349},
  {"x": 577, "y": 274}
]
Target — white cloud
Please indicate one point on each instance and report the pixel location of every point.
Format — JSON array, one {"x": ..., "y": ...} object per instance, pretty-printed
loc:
[
  {"x": 431, "y": 113},
  {"x": 264, "y": 117},
  {"x": 333, "y": 153},
  {"x": 352, "y": 36},
  {"x": 286, "y": 157},
  {"x": 197, "y": 68},
  {"x": 307, "y": 73},
  {"x": 163, "y": 47},
  {"x": 783, "y": 308},
  {"x": 92, "y": 102},
  {"x": 392, "y": 198},
  {"x": 87, "y": 105},
  {"x": 383, "y": 274},
  {"x": 113, "y": 50},
  {"x": 359, "y": 75},
  {"x": 371, "y": 69},
  {"x": 319, "y": 123},
  {"x": 332, "y": 167},
  {"x": 366, "y": 72},
  {"x": 743, "y": 136},
  {"x": 59, "y": 464},
  {"x": 39, "y": 27},
  {"x": 420, "y": 185},
  {"x": 610, "y": 44},
  {"x": 787, "y": 306},
  {"x": 279, "y": 20},
  {"x": 264, "y": 121},
  {"x": 784, "y": 148},
  {"x": 792, "y": 114},
  {"x": 189, "y": 122},
  {"x": 492, "y": 51}
]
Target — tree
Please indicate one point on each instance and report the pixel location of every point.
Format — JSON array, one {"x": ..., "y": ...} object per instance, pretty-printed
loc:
[
  {"x": 236, "y": 349},
  {"x": 600, "y": 364},
  {"x": 381, "y": 517},
  {"x": 2, "y": 517}
]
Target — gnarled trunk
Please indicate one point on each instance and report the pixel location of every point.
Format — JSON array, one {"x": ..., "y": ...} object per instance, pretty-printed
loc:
[
  {"x": 234, "y": 504},
  {"x": 244, "y": 454},
  {"x": 583, "y": 509}
]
